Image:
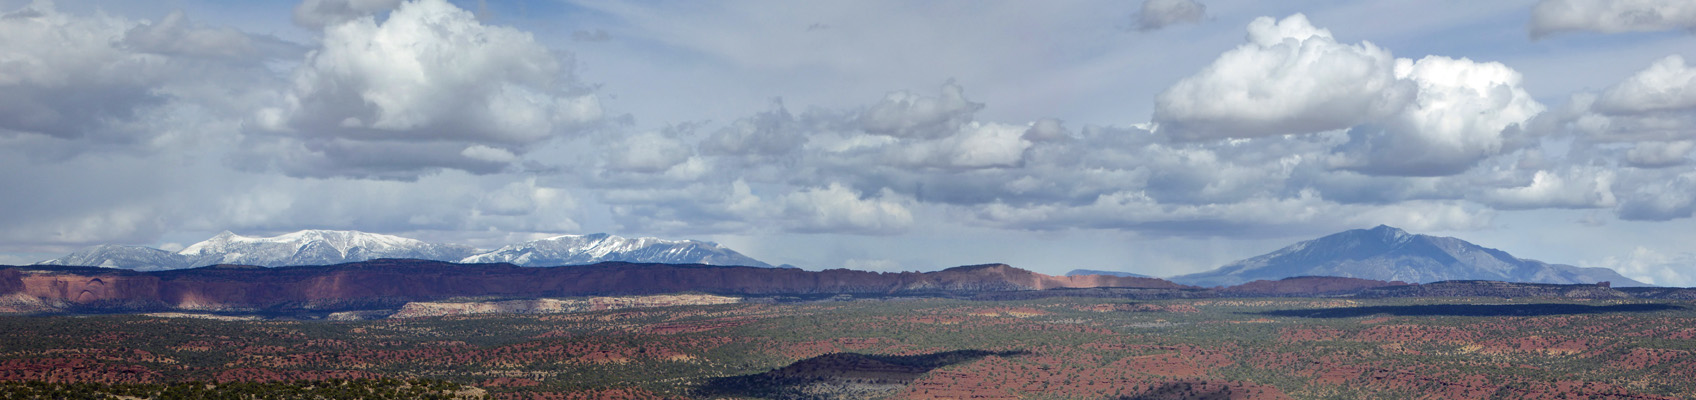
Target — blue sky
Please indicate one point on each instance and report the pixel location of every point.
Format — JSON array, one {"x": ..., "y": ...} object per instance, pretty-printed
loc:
[{"x": 1160, "y": 137}]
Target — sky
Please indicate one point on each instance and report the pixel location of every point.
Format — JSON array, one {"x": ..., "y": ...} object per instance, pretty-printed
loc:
[{"x": 1160, "y": 137}]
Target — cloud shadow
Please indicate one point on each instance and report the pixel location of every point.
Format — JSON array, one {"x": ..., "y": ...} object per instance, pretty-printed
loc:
[{"x": 840, "y": 376}]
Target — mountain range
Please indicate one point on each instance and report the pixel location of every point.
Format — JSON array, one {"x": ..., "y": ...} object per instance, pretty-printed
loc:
[
  {"x": 326, "y": 247},
  {"x": 1386, "y": 253},
  {"x": 1382, "y": 253}
]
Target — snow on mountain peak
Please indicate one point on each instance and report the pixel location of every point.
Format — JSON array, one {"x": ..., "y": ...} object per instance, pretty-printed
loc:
[
  {"x": 342, "y": 241},
  {"x": 322, "y": 247},
  {"x": 593, "y": 248}
]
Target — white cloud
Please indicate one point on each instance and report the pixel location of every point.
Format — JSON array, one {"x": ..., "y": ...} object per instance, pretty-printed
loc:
[
  {"x": 1667, "y": 85},
  {"x": 1431, "y": 117},
  {"x": 1047, "y": 130},
  {"x": 976, "y": 145},
  {"x": 1572, "y": 188},
  {"x": 905, "y": 114},
  {"x": 317, "y": 14},
  {"x": 1156, "y": 14},
  {"x": 1611, "y": 16},
  {"x": 1290, "y": 78},
  {"x": 490, "y": 154},
  {"x": 429, "y": 77},
  {"x": 649, "y": 152},
  {"x": 1659, "y": 198},
  {"x": 1660, "y": 154},
  {"x": 70, "y": 77},
  {"x": 522, "y": 198},
  {"x": 1653, "y": 110},
  {"x": 773, "y": 133},
  {"x": 175, "y": 35},
  {"x": 1465, "y": 111},
  {"x": 837, "y": 208}
]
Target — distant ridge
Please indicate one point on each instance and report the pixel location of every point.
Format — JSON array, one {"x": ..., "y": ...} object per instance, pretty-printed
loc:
[
  {"x": 325, "y": 247},
  {"x": 1386, "y": 253}
]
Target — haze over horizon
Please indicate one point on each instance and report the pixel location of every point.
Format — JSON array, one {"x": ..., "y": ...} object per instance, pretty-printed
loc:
[{"x": 1160, "y": 137}]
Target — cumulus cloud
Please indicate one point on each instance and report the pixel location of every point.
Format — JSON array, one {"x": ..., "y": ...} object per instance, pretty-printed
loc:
[
  {"x": 773, "y": 133},
  {"x": 976, "y": 145},
  {"x": 761, "y": 171},
  {"x": 1660, "y": 154},
  {"x": 1611, "y": 16},
  {"x": 905, "y": 114},
  {"x": 1660, "y": 198},
  {"x": 317, "y": 14},
  {"x": 1290, "y": 77},
  {"x": 1653, "y": 107},
  {"x": 176, "y": 35},
  {"x": 521, "y": 199},
  {"x": 1156, "y": 14},
  {"x": 1667, "y": 85},
  {"x": 649, "y": 152},
  {"x": 1575, "y": 188},
  {"x": 1431, "y": 117},
  {"x": 1465, "y": 111},
  {"x": 430, "y": 80},
  {"x": 837, "y": 208},
  {"x": 73, "y": 84},
  {"x": 70, "y": 77}
]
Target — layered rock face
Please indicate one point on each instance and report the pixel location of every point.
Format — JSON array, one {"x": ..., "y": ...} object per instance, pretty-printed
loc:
[{"x": 392, "y": 283}]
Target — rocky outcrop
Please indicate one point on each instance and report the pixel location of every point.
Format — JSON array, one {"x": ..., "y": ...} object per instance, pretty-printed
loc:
[{"x": 389, "y": 284}]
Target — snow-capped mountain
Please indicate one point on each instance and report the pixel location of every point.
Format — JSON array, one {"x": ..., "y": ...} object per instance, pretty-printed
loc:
[
  {"x": 590, "y": 249},
  {"x": 315, "y": 247},
  {"x": 323, "y": 247},
  {"x": 139, "y": 258},
  {"x": 1390, "y": 254}
]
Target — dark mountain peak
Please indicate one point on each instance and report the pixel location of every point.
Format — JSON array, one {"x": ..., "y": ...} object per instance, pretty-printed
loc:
[
  {"x": 1389, "y": 233},
  {"x": 1386, "y": 253},
  {"x": 1381, "y": 234}
]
